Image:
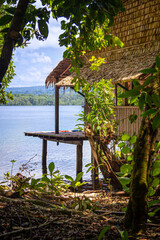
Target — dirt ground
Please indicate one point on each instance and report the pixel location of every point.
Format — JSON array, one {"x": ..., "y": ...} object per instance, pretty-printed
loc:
[{"x": 70, "y": 216}]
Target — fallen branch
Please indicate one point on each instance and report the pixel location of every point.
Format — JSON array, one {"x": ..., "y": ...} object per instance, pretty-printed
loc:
[{"x": 27, "y": 229}]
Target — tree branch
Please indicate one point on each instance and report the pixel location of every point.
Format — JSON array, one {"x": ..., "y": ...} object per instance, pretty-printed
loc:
[{"x": 12, "y": 37}]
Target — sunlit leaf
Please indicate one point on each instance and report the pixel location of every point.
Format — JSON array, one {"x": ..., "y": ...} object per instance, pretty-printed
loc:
[
  {"x": 51, "y": 167},
  {"x": 125, "y": 150},
  {"x": 69, "y": 178},
  {"x": 79, "y": 177},
  {"x": 125, "y": 137}
]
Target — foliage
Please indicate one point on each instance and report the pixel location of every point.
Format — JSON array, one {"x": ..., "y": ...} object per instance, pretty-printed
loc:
[
  {"x": 54, "y": 182},
  {"x": 4, "y": 95},
  {"x": 100, "y": 99},
  {"x": 146, "y": 95},
  {"x": 77, "y": 182},
  {"x": 83, "y": 18},
  {"x": 123, "y": 234},
  {"x": 33, "y": 17}
]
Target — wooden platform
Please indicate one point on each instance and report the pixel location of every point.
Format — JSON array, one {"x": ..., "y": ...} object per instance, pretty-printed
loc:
[
  {"x": 64, "y": 137},
  {"x": 76, "y": 138}
]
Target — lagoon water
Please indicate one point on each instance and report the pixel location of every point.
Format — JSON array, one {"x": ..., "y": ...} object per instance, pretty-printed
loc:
[{"x": 14, "y": 145}]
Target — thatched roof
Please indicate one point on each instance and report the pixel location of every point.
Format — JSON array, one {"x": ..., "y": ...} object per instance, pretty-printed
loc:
[
  {"x": 122, "y": 70},
  {"x": 59, "y": 72},
  {"x": 139, "y": 29}
]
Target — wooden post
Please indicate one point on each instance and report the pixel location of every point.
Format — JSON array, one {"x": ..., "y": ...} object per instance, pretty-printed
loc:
[
  {"x": 44, "y": 157},
  {"x": 94, "y": 174},
  {"x": 56, "y": 108},
  {"x": 131, "y": 87},
  {"x": 79, "y": 158},
  {"x": 126, "y": 99},
  {"x": 115, "y": 93}
]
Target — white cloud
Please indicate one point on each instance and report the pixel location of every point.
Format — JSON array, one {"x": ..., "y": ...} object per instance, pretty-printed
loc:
[
  {"x": 52, "y": 40},
  {"x": 40, "y": 58}
]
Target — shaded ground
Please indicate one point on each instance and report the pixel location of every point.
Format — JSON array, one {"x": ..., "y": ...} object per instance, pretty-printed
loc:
[{"x": 46, "y": 217}]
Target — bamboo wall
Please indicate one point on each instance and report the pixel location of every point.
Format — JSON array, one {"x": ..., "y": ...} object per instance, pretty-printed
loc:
[
  {"x": 122, "y": 114},
  {"x": 138, "y": 28}
]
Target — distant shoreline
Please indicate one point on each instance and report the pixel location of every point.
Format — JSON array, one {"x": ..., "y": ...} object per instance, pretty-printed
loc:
[{"x": 71, "y": 99}]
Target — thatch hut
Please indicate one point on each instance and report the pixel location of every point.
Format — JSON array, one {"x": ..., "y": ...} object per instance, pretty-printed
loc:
[{"x": 139, "y": 29}]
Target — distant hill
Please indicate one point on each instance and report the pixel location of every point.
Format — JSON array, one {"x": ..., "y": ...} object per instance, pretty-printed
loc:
[{"x": 37, "y": 90}]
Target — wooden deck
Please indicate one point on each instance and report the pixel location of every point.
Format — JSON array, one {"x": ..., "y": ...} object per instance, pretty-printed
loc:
[
  {"x": 64, "y": 137},
  {"x": 76, "y": 138}
]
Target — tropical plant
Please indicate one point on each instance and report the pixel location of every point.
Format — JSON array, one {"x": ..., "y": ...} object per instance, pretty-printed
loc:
[{"x": 148, "y": 97}]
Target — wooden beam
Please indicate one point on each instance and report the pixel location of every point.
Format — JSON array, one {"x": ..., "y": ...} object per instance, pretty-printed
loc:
[
  {"x": 79, "y": 158},
  {"x": 56, "y": 108},
  {"x": 44, "y": 157}
]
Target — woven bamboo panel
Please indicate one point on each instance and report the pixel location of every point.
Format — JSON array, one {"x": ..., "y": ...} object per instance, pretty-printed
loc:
[
  {"x": 138, "y": 28},
  {"x": 122, "y": 116}
]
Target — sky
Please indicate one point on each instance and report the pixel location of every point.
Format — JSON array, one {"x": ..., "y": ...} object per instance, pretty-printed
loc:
[{"x": 34, "y": 62}]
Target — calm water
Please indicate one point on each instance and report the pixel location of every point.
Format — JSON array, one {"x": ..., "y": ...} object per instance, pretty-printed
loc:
[{"x": 15, "y": 120}]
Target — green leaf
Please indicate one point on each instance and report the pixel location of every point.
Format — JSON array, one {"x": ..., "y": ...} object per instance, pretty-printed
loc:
[
  {"x": 156, "y": 122},
  {"x": 69, "y": 178},
  {"x": 130, "y": 93},
  {"x": 119, "y": 42},
  {"x": 148, "y": 112},
  {"x": 51, "y": 167},
  {"x": 148, "y": 70},
  {"x": 125, "y": 150},
  {"x": 141, "y": 102},
  {"x": 88, "y": 165},
  {"x": 148, "y": 99},
  {"x": 133, "y": 118},
  {"x": 157, "y": 146},
  {"x": 90, "y": 168},
  {"x": 13, "y": 161},
  {"x": 43, "y": 28},
  {"x": 45, "y": 179},
  {"x": 79, "y": 177},
  {"x": 5, "y": 20},
  {"x": 156, "y": 164},
  {"x": 156, "y": 99},
  {"x": 133, "y": 139},
  {"x": 154, "y": 114},
  {"x": 151, "y": 191},
  {"x": 77, "y": 86},
  {"x": 153, "y": 202},
  {"x": 10, "y": 10},
  {"x": 104, "y": 230},
  {"x": 125, "y": 137},
  {"x": 156, "y": 172},
  {"x": 124, "y": 180},
  {"x": 126, "y": 168},
  {"x": 122, "y": 144},
  {"x": 133, "y": 99},
  {"x": 130, "y": 158},
  {"x": 148, "y": 81},
  {"x": 158, "y": 62},
  {"x": 136, "y": 83},
  {"x": 155, "y": 182}
]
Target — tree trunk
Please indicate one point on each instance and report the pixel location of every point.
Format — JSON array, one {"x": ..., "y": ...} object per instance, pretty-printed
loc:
[
  {"x": 12, "y": 37},
  {"x": 137, "y": 210},
  {"x": 105, "y": 160}
]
